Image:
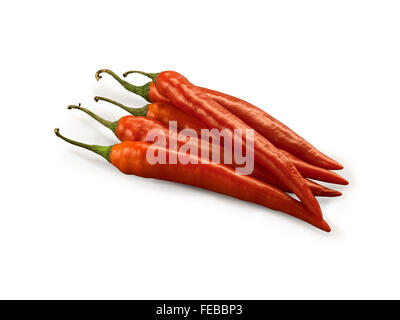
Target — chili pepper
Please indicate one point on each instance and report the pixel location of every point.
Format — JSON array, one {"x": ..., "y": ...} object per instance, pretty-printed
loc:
[
  {"x": 279, "y": 134},
  {"x": 130, "y": 158},
  {"x": 137, "y": 128},
  {"x": 196, "y": 103},
  {"x": 167, "y": 112}
]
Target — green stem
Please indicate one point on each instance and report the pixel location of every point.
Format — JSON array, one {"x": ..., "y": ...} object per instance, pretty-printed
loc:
[
  {"x": 152, "y": 76},
  {"x": 108, "y": 124},
  {"x": 133, "y": 111},
  {"x": 100, "y": 150},
  {"x": 142, "y": 91}
]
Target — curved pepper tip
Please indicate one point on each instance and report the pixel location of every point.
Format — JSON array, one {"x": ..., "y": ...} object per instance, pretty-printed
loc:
[{"x": 324, "y": 226}]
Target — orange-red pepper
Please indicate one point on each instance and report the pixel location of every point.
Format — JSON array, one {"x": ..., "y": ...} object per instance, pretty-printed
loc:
[{"x": 130, "y": 158}]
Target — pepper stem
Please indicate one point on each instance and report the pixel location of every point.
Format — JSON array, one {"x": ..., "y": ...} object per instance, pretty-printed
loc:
[
  {"x": 108, "y": 124},
  {"x": 100, "y": 150},
  {"x": 133, "y": 111},
  {"x": 152, "y": 76},
  {"x": 142, "y": 91}
]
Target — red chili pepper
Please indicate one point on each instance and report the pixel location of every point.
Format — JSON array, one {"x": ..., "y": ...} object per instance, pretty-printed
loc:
[
  {"x": 130, "y": 158},
  {"x": 196, "y": 103},
  {"x": 166, "y": 112},
  {"x": 137, "y": 128},
  {"x": 279, "y": 134}
]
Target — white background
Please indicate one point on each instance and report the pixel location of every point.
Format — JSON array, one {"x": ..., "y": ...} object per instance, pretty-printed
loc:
[{"x": 72, "y": 226}]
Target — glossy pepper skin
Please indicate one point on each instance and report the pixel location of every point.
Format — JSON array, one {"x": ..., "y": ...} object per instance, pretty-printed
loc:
[
  {"x": 150, "y": 93},
  {"x": 130, "y": 158},
  {"x": 198, "y": 104},
  {"x": 166, "y": 112},
  {"x": 272, "y": 129},
  {"x": 137, "y": 128}
]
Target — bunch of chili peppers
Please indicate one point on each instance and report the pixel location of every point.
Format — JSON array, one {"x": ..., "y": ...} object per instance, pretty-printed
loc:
[{"x": 284, "y": 162}]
